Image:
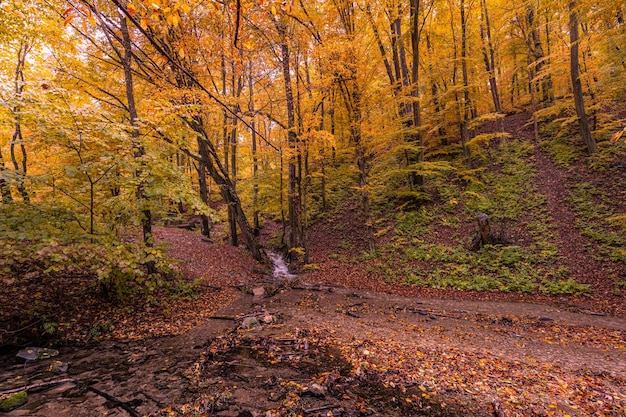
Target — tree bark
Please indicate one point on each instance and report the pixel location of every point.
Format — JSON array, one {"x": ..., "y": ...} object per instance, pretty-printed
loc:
[
  {"x": 205, "y": 226},
  {"x": 577, "y": 88},
  {"x": 255, "y": 161},
  {"x": 417, "y": 137},
  {"x": 466, "y": 105},
  {"x": 489, "y": 55},
  {"x": 18, "y": 140},
  {"x": 139, "y": 150},
  {"x": 294, "y": 201},
  {"x": 218, "y": 173}
]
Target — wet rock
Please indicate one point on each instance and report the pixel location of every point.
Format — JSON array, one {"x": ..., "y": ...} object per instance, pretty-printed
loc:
[
  {"x": 250, "y": 323},
  {"x": 58, "y": 367},
  {"x": 36, "y": 353}
]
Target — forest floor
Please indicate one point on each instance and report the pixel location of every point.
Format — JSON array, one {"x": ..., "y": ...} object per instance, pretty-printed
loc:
[{"x": 334, "y": 341}]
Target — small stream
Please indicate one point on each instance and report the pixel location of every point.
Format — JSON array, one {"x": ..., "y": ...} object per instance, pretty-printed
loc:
[{"x": 281, "y": 270}]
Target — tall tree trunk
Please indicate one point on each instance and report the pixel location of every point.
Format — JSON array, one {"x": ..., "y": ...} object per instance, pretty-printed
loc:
[
  {"x": 255, "y": 161},
  {"x": 294, "y": 200},
  {"x": 489, "y": 55},
  {"x": 381, "y": 46},
  {"x": 139, "y": 150},
  {"x": 434, "y": 89},
  {"x": 536, "y": 48},
  {"x": 417, "y": 137},
  {"x": 577, "y": 88},
  {"x": 18, "y": 140},
  {"x": 466, "y": 105},
  {"x": 352, "y": 96}
]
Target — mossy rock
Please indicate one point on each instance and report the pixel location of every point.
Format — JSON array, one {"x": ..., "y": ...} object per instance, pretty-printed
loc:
[{"x": 13, "y": 401}]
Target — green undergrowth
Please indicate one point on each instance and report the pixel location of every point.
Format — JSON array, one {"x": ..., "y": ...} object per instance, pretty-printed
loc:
[
  {"x": 598, "y": 221},
  {"x": 118, "y": 270},
  {"x": 416, "y": 255}
]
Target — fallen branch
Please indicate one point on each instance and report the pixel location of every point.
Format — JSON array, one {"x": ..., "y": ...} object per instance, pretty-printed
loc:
[
  {"x": 325, "y": 407},
  {"x": 37, "y": 386},
  {"x": 118, "y": 403},
  {"x": 221, "y": 318}
]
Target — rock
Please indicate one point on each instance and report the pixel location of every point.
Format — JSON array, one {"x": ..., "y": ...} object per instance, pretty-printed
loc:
[
  {"x": 250, "y": 323},
  {"x": 259, "y": 292},
  {"x": 58, "y": 367},
  {"x": 268, "y": 319},
  {"x": 315, "y": 390},
  {"x": 36, "y": 353},
  {"x": 13, "y": 401}
]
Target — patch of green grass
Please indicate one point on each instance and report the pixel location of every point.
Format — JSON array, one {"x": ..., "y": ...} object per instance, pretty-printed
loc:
[
  {"x": 595, "y": 221},
  {"x": 565, "y": 287},
  {"x": 413, "y": 223},
  {"x": 562, "y": 151},
  {"x": 493, "y": 268}
]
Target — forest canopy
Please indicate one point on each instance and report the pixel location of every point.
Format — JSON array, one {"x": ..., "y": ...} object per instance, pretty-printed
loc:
[{"x": 117, "y": 114}]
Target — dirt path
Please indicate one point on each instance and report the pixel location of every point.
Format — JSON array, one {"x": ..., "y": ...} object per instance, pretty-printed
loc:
[{"x": 527, "y": 357}]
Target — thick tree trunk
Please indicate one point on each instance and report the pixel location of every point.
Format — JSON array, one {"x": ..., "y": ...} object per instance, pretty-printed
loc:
[
  {"x": 417, "y": 137},
  {"x": 577, "y": 88}
]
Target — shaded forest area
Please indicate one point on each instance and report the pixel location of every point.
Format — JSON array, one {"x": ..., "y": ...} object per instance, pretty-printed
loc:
[{"x": 360, "y": 139}]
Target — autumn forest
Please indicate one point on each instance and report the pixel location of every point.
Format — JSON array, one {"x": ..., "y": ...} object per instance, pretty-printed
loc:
[{"x": 152, "y": 150}]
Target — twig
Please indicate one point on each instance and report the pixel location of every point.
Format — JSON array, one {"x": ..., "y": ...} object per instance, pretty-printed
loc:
[
  {"x": 37, "y": 386},
  {"x": 114, "y": 400},
  {"x": 325, "y": 407},
  {"x": 221, "y": 318}
]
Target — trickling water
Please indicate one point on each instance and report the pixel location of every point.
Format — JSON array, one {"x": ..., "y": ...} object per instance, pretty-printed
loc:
[{"x": 280, "y": 267}]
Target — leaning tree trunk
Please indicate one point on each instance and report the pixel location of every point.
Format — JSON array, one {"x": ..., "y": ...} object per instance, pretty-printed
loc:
[
  {"x": 216, "y": 170},
  {"x": 577, "y": 88}
]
